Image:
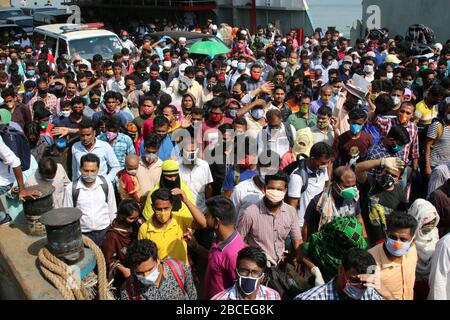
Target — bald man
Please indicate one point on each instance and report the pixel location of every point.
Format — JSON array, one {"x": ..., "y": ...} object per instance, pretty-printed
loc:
[
  {"x": 326, "y": 95},
  {"x": 340, "y": 198},
  {"x": 128, "y": 183}
]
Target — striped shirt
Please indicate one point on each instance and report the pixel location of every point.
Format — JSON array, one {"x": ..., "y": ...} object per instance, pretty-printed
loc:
[
  {"x": 269, "y": 230},
  {"x": 385, "y": 125},
  {"x": 379, "y": 151},
  {"x": 328, "y": 292},
  {"x": 264, "y": 293},
  {"x": 440, "y": 153}
]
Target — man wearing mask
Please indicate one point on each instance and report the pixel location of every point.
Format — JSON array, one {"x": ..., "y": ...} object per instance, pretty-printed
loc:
[
  {"x": 327, "y": 59},
  {"x": 116, "y": 83},
  {"x": 380, "y": 195},
  {"x": 339, "y": 199},
  {"x": 94, "y": 105},
  {"x": 186, "y": 83},
  {"x": 428, "y": 79},
  {"x": 293, "y": 65},
  {"x": 396, "y": 258},
  {"x": 112, "y": 110},
  {"x": 216, "y": 118},
  {"x": 256, "y": 80},
  {"x": 351, "y": 147},
  {"x": 426, "y": 109},
  {"x": 126, "y": 42},
  {"x": 349, "y": 100},
  {"x": 256, "y": 224},
  {"x": 90, "y": 144},
  {"x": 251, "y": 266},
  {"x": 146, "y": 110},
  {"x": 280, "y": 68},
  {"x": 19, "y": 112},
  {"x": 326, "y": 93},
  {"x": 69, "y": 124},
  {"x": 140, "y": 73},
  {"x": 352, "y": 283},
  {"x": 314, "y": 169},
  {"x": 149, "y": 170},
  {"x": 277, "y": 103},
  {"x": 167, "y": 73},
  {"x": 369, "y": 68},
  {"x": 345, "y": 69},
  {"x": 93, "y": 195},
  {"x": 303, "y": 118},
  {"x": 241, "y": 69},
  {"x": 49, "y": 99},
  {"x": 168, "y": 149},
  {"x": 30, "y": 71}
]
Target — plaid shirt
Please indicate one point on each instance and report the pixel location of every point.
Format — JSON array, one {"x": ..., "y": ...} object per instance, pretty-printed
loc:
[
  {"x": 412, "y": 148},
  {"x": 51, "y": 103},
  {"x": 379, "y": 151},
  {"x": 122, "y": 146},
  {"x": 264, "y": 293},
  {"x": 328, "y": 292}
]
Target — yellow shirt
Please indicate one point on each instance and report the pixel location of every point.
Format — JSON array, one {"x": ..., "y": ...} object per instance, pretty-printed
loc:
[
  {"x": 398, "y": 278},
  {"x": 183, "y": 212},
  {"x": 169, "y": 241},
  {"x": 426, "y": 114}
]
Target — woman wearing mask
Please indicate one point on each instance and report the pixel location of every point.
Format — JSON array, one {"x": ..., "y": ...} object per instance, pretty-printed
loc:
[
  {"x": 121, "y": 233},
  {"x": 426, "y": 237}
]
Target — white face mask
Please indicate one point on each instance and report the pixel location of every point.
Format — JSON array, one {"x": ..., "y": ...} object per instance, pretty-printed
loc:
[
  {"x": 390, "y": 75},
  {"x": 283, "y": 64},
  {"x": 368, "y": 68},
  {"x": 150, "y": 279},
  {"x": 65, "y": 113},
  {"x": 397, "y": 100}
]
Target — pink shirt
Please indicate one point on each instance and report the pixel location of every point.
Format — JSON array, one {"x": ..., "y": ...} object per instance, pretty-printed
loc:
[{"x": 221, "y": 269}]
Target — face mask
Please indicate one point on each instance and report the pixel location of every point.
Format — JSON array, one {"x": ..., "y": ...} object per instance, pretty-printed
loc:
[
  {"x": 95, "y": 103},
  {"x": 132, "y": 172},
  {"x": 89, "y": 178},
  {"x": 31, "y": 73},
  {"x": 368, "y": 68},
  {"x": 396, "y": 100},
  {"x": 111, "y": 135},
  {"x": 256, "y": 76},
  {"x": 83, "y": 85},
  {"x": 109, "y": 73},
  {"x": 292, "y": 61},
  {"x": 347, "y": 66},
  {"x": 65, "y": 114},
  {"x": 355, "y": 128},
  {"x": 349, "y": 193},
  {"x": 150, "y": 279},
  {"x": 150, "y": 157},
  {"x": 124, "y": 38},
  {"x": 241, "y": 66},
  {"x": 396, "y": 148},
  {"x": 43, "y": 125},
  {"x": 61, "y": 143},
  {"x": 109, "y": 111},
  {"x": 397, "y": 248},
  {"x": 42, "y": 92},
  {"x": 304, "y": 109},
  {"x": 277, "y": 43},
  {"x": 322, "y": 124},
  {"x": 126, "y": 58},
  {"x": 283, "y": 64},
  {"x": 49, "y": 180},
  {"x": 275, "y": 196},
  {"x": 257, "y": 114},
  {"x": 190, "y": 156},
  {"x": 387, "y": 181},
  {"x": 231, "y": 113},
  {"x": 209, "y": 86},
  {"x": 216, "y": 117},
  {"x": 196, "y": 123},
  {"x": 162, "y": 216},
  {"x": 200, "y": 79},
  {"x": 352, "y": 292},
  {"x": 390, "y": 75},
  {"x": 248, "y": 285},
  {"x": 174, "y": 61}
]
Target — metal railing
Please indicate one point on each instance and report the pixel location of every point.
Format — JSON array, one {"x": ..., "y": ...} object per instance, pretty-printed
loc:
[{"x": 144, "y": 3}]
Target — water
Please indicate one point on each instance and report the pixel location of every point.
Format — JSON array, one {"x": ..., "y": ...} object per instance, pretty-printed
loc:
[{"x": 335, "y": 13}]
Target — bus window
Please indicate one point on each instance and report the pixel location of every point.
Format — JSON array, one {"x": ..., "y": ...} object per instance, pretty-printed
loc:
[{"x": 62, "y": 47}]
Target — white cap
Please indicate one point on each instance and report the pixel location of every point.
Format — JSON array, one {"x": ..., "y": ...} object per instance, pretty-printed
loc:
[
  {"x": 438, "y": 46},
  {"x": 167, "y": 64},
  {"x": 182, "y": 40}
]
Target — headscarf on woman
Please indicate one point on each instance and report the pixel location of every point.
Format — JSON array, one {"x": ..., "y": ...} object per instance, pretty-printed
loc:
[{"x": 426, "y": 239}]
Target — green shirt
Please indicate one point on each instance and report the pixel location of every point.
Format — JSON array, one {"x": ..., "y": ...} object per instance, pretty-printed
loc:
[{"x": 300, "y": 121}]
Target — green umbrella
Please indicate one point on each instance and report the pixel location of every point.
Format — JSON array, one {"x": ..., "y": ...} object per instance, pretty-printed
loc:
[{"x": 209, "y": 48}]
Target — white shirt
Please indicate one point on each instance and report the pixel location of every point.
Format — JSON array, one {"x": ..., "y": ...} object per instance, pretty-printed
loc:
[
  {"x": 129, "y": 45},
  {"x": 245, "y": 194},
  {"x": 8, "y": 161},
  {"x": 316, "y": 183},
  {"x": 277, "y": 142},
  {"x": 439, "y": 279},
  {"x": 97, "y": 212},
  {"x": 116, "y": 86},
  {"x": 196, "y": 178}
]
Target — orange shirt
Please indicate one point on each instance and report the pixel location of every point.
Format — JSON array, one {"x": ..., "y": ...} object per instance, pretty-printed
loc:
[{"x": 294, "y": 106}]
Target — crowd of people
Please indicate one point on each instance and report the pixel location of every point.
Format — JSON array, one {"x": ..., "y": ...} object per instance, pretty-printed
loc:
[{"x": 207, "y": 177}]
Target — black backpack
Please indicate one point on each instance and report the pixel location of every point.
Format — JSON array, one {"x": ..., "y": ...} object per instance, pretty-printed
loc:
[
  {"x": 76, "y": 192},
  {"x": 18, "y": 143},
  {"x": 302, "y": 171}
]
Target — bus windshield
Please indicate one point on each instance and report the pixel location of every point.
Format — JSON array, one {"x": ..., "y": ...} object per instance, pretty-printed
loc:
[{"x": 107, "y": 46}]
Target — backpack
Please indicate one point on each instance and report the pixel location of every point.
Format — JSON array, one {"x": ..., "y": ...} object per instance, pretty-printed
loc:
[
  {"x": 302, "y": 171},
  {"x": 177, "y": 271},
  {"x": 289, "y": 134},
  {"x": 76, "y": 192},
  {"x": 18, "y": 143}
]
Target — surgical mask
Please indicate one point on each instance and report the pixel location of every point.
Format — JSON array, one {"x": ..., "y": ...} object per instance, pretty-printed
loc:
[
  {"x": 83, "y": 85},
  {"x": 150, "y": 157},
  {"x": 355, "y": 128},
  {"x": 190, "y": 156},
  {"x": 283, "y": 64},
  {"x": 275, "y": 196},
  {"x": 292, "y": 61},
  {"x": 231, "y": 113},
  {"x": 256, "y": 76},
  {"x": 111, "y": 135},
  {"x": 353, "y": 293},
  {"x": 126, "y": 58},
  {"x": 42, "y": 92},
  {"x": 43, "y": 125},
  {"x": 396, "y": 148},
  {"x": 241, "y": 66},
  {"x": 304, "y": 109},
  {"x": 257, "y": 114},
  {"x": 323, "y": 124},
  {"x": 348, "y": 193},
  {"x": 109, "y": 73},
  {"x": 150, "y": 279},
  {"x": 65, "y": 114},
  {"x": 174, "y": 61},
  {"x": 396, "y": 100},
  {"x": 347, "y": 66},
  {"x": 248, "y": 285},
  {"x": 368, "y": 68},
  {"x": 31, "y": 73},
  {"x": 390, "y": 75},
  {"x": 277, "y": 43},
  {"x": 397, "y": 248},
  {"x": 89, "y": 178},
  {"x": 162, "y": 216},
  {"x": 216, "y": 117},
  {"x": 95, "y": 102},
  {"x": 200, "y": 79},
  {"x": 132, "y": 172}
]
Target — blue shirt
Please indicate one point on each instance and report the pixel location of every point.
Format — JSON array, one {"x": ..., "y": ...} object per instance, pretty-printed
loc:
[
  {"x": 123, "y": 116},
  {"x": 106, "y": 154},
  {"x": 315, "y": 105},
  {"x": 122, "y": 146},
  {"x": 228, "y": 182},
  {"x": 379, "y": 151},
  {"x": 167, "y": 149}
]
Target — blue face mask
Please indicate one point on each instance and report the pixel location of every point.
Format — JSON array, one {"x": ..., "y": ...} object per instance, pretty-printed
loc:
[
  {"x": 241, "y": 66},
  {"x": 61, "y": 143},
  {"x": 397, "y": 248},
  {"x": 397, "y": 148},
  {"x": 277, "y": 43},
  {"x": 356, "y": 128},
  {"x": 353, "y": 293},
  {"x": 30, "y": 73},
  {"x": 150, "y": 279},
  {"x": 248, "y": 285}
]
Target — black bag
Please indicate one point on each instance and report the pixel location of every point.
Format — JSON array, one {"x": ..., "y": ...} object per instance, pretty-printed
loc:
[{"x": 18, "y": 143}]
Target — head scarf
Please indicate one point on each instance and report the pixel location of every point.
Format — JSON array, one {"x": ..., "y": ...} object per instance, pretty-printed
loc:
[
  {"x": 327, "y": 247},
  {"x": 171, "y": 167},
  {"x": 424, "y": 212}
]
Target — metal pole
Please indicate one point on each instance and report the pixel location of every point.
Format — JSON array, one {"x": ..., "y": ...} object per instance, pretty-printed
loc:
[{"x": 253, "y": 16}]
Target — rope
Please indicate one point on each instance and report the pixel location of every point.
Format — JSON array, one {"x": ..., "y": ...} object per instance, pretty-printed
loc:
[{"x": 69, "y": 285}]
